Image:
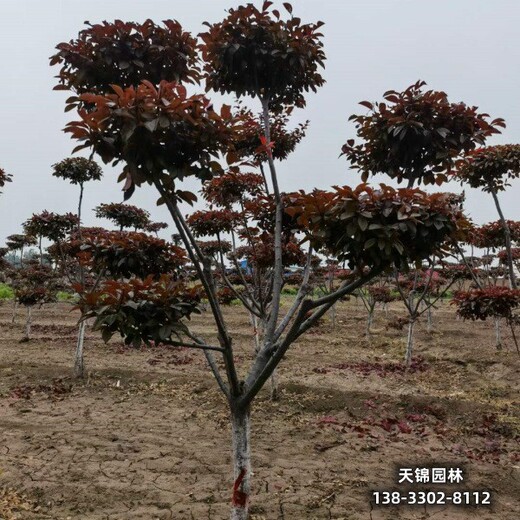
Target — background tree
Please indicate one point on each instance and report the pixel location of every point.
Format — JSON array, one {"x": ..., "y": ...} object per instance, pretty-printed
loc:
[
  {"x": 50, "y": 226},
  {"x": 377, "y": 292},
  {"x": 18, "y": 242},
  {"x": 33, "y": 284},
  {"x": 490, "y": 169},
  {"x": 489, "y": 302},
  {"x": 4, "y": 177},
  {"x": 124, "y": 215},
  {"x": 416, "y": 288},
  {"x": 155, "y": 227},
  {"x": 80, "y": 170},
  {"x": 416, "y": 135}
]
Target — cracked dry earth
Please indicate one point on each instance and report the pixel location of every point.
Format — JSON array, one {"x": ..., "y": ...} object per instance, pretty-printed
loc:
[{"x": 146, "y": 435}]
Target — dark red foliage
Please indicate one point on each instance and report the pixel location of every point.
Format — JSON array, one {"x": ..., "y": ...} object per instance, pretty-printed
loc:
[
  {"x": 383, "y": 369},
  {"x": 515, "y": 254},
  {"x": 17, "y": 241},
  {"x": 213, "y": 222},
  {"x": 124, "y": 215},
  {"x": 142, "y": 311},
  {"x": 251, "y": 130},
  {"x": 492, "y": 235},
  {"x": 54, "y": 391},
  {"x": 123, "y": 254},
  {"x": 4, "y": 177},
  {"x": 225, "y": 296},
  {"x": 490, "y": 168},
  {"x": 231, "y": 188},
  {"x": 455, "y": 271},
  {"x": 342, "y": 274},
  {"x": 77, "y": 170},
  {"x": 51, "y": 225},
  {"x": 490, "y": 302},
  {"x": 125, "y": 53},
  {"x": 260, "y": 254},
  {"x": 155, "y": 227},
  {"x": 416, "y": 135},
  {"x": 381, "y": 294},
  {"x": 34, "y": 284},
  {"x": 159, "y": 132},
  {"x": 262, "y": 210},
  {"x": 214, "y": 247},
  {"x": 254, "y": 52},
  {"x": 422, "y": 280},
  {"x": 293, "y": 279},
  {"x": 377, "y": 227}
]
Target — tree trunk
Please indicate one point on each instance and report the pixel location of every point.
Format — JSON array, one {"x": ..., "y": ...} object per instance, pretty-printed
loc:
[
  {"x": 369, "y": 321},
  {"x": 498, "y": 334},
  {"x": 409, "y": 343},
  {"x": 28, "y": 324},
  {"x": 256, "y": 323},
  {"x": 15, "y": 306},
  {"x": 241, "y": 432},
  {"x": 274, "y": 385},
  {"x": 258, "y": 330},
  {"x": 507, "y": 233},
  {"x": 79, "y": 366},
  {"x": 333, "y": 316},
  {"x": 430, "y": 319}
]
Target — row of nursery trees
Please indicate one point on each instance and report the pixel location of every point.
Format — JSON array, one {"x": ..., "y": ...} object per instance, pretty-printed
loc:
[
  {"x": 129, "y": 84},
  {"x": 75, "y": 256}
]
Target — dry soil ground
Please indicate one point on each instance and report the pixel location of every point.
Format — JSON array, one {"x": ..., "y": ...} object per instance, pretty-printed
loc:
[{"x": 146, "y": 435}]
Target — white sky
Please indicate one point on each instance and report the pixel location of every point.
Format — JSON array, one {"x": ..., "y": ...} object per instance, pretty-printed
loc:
[{"x": 469, "y": 48}]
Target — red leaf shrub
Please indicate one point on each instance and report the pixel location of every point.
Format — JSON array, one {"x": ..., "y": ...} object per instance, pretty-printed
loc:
[
  {"x": 154, "y": 130},
  {"x": 281, "y": 58},
  {"x": 492, "y": 235},
  {"x": 123, "y": 254},
  {"x": 231, "y": 188},
  {"x": 140, "y": 310},
  {"x": 125, "y": 53},
  {"x": 490, "y": 302},
  {"x": 51, "y": 225},
  {"x": 377, "y": 227},
  {"x": 124, "y": 215},
  {"x": 490, "y": 168},
  {"x": 77, "y": 170},
  {"x": 416, "y": 135},
  {"x": 213, "y": 222}
]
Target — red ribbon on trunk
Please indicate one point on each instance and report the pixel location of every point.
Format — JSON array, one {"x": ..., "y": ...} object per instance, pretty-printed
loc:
[{"x": 239, "y": 497}]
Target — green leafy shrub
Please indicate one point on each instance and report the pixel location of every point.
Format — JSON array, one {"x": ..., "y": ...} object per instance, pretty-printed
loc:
[{"x": 6, "y": 293}]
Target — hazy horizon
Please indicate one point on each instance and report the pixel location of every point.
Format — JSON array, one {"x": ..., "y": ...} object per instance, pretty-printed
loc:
[{"x": 466, "y": 48}]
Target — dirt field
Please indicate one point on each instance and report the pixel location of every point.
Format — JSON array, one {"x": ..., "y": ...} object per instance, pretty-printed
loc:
[{"x": 146, "y": 435}]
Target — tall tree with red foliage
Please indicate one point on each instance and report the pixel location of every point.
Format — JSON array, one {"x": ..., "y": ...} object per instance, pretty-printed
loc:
[{"x": 162, "y": 136}]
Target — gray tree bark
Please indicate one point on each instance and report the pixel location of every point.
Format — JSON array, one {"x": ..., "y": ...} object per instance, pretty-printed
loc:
[
  {"x": 79, "y": 365},
  {"x": 241, "y": 433}
]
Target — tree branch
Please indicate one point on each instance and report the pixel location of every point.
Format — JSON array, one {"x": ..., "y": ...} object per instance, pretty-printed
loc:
[
  {"x": 271, "y": 355},
  {"x": 302, "y": 293},
  {"x": 207, "y": 282},
  {"x": 278, "y": 264}
]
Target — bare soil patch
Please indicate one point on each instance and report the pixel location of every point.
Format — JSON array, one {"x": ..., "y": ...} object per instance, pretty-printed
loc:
[{"x": 146, "y": 434}]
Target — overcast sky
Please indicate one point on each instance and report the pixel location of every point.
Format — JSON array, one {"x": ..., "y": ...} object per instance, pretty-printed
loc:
[{"x": 469, "y": 48}]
